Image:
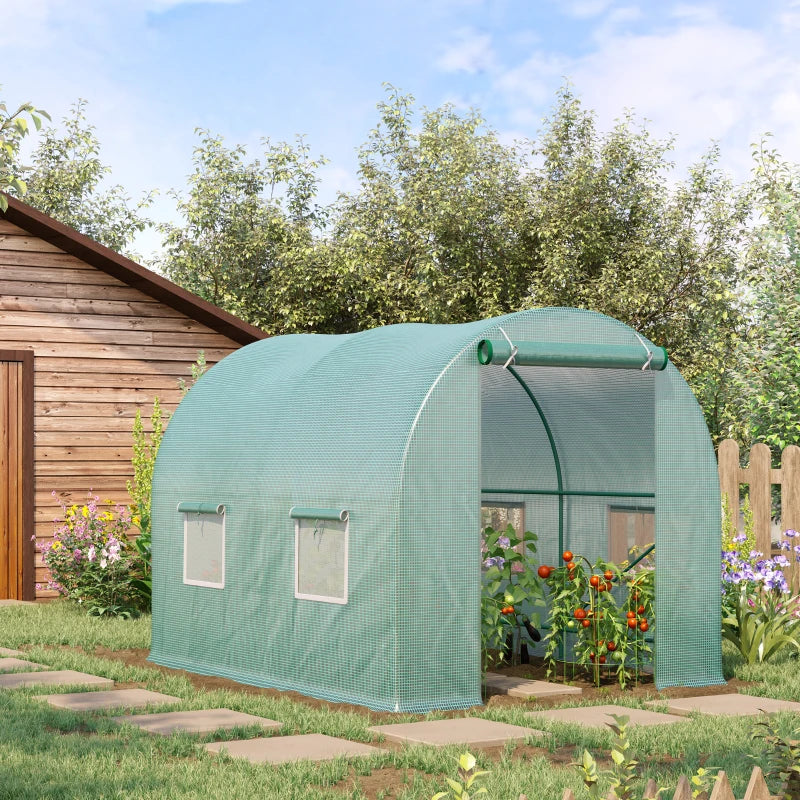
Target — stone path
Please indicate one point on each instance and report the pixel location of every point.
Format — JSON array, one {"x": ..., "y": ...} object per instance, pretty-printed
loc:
[
  {"x": 733, "y": 705},
  {"x": 8, "y": 663},
  {"x": 465, "y": 731},
  {"x": 525, "y": 687},
  {"x": 474, "y": 731},
  {"x": 278, "y": 749},
  {"x": 100, "y": 701},
  {"x": 16, "y": 603},
  {"x": 61, "y": 677},
  {"x": 599, "y": 716},
  {"x": 205, "y": 721}
]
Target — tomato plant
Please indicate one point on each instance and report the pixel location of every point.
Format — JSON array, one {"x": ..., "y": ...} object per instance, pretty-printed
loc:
[{"x": 606, "y": 625}]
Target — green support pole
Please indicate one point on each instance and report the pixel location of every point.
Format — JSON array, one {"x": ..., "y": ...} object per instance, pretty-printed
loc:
[{"x": 559, "y": 474}]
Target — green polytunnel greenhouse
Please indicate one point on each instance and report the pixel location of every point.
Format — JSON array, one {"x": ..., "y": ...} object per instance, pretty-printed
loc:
[{"x": 317, "y": 500}]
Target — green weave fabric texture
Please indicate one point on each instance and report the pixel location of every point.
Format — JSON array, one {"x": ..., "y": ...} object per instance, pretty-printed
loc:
[{"x": 405, "y": 430}]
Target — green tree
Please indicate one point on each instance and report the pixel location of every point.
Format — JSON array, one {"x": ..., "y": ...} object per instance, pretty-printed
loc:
[
  {"x": 247, "y": 227},
  {"x": 768, "y": 373},
  {"x": 66, "y": 179},
  {"x": 14, "y": 128},
  {"x": 435, "y": 232},
  {"x": 615, "y": 233}
]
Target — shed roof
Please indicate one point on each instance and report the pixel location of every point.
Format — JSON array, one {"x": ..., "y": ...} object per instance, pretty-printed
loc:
[{"x": 128, "y": 271}]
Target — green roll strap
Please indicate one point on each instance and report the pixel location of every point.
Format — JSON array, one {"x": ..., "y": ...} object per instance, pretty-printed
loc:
[
  {"x": 305, "y": 512},
  {"x": 201, "y": 508},
  {"x": 562, "y": 354}
]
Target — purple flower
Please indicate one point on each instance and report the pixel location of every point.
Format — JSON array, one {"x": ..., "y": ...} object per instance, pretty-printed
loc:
[
  {"x": 739, "y": 538},
  {"x": 504, "y": 542},
  {"x": 791, "y": 533},
  {"x": 494, "y": 561}
]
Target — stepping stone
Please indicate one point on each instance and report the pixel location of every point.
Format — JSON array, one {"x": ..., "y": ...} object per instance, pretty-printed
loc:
[
  {"x": 598, "y": 716},
  {"x": 196, "y": 721},
  {"x": 277, "y": 749},
  {"x": 525, "y": 687},
  {"x": 4, "y": 651},
  {"x": 118, "y": 698},
  {"x": 732, "y": 705},
  {"x": 7, "y": 664},
  {"x": 461, "y": 730},
  {"x": 60, "y": 677}
]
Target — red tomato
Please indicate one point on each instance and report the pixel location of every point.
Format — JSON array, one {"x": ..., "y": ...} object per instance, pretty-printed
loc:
[
  {"x": 580, "y": 613},
  {"x": 602, "y": 659},
  {"x": 544, "y": 571},
  {"x": 586, "y": 623},
  {"x": 611, "y": 647},
  {"x": 571, "y": 566},
  {"x": 643, "y": 626},
  {"x": 594, "y": 581},
  {"x": 601, "y": 587},
  {"x": 632, "y": 623},
  {"x": 631, "y": 615},
  {"x": 608, "y": 575},
  {"x": 640, "y": 610},
  {"x": 609, "y": 586},
  {"x": 567, "y": 555}
]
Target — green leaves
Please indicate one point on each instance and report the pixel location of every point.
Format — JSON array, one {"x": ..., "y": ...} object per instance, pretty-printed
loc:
[
  {"x": 758, "y": 626},
  {"x": 469, "y": 774},
  {"x": 13, "y": 128}
]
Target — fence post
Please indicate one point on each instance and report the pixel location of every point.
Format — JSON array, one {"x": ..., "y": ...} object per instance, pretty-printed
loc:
[
  {"x": 759, "y": 476},
  {"x": 790, "y": 504},
  {"x": 728, "y": 465}
]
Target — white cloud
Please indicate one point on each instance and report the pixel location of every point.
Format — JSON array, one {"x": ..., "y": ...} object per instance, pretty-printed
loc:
[
  {"x": 584, "y": 9},
  {"x": 471, "y": 52},
  {"x": 701, "y": 78}
]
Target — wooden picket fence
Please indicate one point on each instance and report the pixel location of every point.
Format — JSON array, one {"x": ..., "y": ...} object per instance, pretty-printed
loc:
[
  {"x": 756, "y": 789},
  {"x": 760, "y": 477}
]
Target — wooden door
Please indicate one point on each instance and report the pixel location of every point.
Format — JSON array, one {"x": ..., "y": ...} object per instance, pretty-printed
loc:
[{"x": 16, "y": 479}]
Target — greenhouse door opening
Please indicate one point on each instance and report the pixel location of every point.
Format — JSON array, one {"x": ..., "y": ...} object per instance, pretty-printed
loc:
[{"x": 569, "y": 453}]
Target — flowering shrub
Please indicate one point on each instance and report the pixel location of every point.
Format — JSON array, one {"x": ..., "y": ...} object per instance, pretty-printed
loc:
[
  {"x": 759, "y": 615},
  {"x": 91, "y": 560}
]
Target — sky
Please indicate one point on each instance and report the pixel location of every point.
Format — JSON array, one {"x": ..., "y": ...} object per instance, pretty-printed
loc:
[{"x": 152, "y": 71}]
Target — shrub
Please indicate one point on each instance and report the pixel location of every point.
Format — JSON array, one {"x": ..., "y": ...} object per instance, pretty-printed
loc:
[
  {"x": 91, "y": 560},
  {"x": 145, "y": 450}
]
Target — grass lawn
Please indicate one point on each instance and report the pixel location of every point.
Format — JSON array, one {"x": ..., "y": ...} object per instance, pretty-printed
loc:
[{"x": 54, "y": 754}]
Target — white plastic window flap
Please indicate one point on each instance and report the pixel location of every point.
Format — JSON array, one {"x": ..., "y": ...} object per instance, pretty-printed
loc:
[
  {"x": 320, "y": 557},
  {"x": 204, "y": 549}
]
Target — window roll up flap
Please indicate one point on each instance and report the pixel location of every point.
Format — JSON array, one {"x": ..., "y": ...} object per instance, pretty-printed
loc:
[
  {"x": 201, "y": 508},
  {"x": 306, "y": 512}
]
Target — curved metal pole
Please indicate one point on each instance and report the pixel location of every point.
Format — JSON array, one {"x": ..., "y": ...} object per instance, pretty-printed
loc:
[{"x": 559, "y": 474}]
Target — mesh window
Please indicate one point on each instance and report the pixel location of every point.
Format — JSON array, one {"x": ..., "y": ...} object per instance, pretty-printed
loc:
[
  {"x": 321, "y": 560},
  {"x": 204, "y": 550}
]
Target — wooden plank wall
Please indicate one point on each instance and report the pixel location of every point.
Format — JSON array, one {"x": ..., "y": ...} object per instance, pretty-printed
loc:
[{"x": 102, "y": 350}]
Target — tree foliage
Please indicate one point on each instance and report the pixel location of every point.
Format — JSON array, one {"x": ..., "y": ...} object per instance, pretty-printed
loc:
[
  {"x": 14, "y": 128},
  {"x": 246, "y": 227},
  {"x": 66, "y": 182},
  {"x": 768, "y": 371},
  {"x": 436, "y": 231}
]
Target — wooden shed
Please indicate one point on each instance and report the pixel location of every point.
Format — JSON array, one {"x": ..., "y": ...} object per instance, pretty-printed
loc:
[{"x": 87, "y": 336}]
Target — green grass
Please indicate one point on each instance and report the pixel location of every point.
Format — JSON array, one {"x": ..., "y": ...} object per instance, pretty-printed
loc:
[{"x": 58, "y": 754}]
